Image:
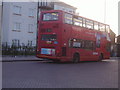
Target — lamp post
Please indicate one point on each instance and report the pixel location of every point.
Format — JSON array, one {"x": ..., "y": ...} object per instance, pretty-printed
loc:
[
  {"x": 1, "y": 13},
  {"x": 119, "y": 18},
  {"x": 37, "y": 13},
  {"x": 105, "y": 11}
]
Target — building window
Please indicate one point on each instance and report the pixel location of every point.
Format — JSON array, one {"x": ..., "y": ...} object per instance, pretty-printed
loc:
[
  {"x": 31, "y": 12},
  {"x": 56, "y": 7},
  {"x": 30, "y": 28},
  {"x": 17, "y": 10},
  {"x": 17, "y": 26}
]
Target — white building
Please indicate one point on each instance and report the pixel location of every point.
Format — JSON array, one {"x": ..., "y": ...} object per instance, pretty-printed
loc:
[
  {"x": 56, "y": 5},
  {"x": 0, "y": 14},
  {"x": 64, "y": 7},
  {"x": 19, "y": 22}
]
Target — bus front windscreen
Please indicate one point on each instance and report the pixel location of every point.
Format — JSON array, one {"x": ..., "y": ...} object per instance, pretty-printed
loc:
[{"x": 50, "y": 16}]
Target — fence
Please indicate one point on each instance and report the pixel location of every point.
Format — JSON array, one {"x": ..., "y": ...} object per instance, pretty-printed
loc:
[{"x": 18, "y": 49}]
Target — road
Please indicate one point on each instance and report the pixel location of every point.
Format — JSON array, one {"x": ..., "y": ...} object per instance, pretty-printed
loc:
[{"x": 39, "y": 74}]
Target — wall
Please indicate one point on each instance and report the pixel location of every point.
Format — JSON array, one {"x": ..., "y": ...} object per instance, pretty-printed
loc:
[
  {"x": 9, "y": 18},
  {"x": 64, "y": 7},
  {"x": 0, "y": 14}
]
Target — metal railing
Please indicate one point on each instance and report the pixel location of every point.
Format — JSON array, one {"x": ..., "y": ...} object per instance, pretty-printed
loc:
[{"x": 15, "y": 49}]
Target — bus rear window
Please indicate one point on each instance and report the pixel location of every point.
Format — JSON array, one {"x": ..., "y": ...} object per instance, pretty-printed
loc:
[
  {"x": 50, "y": 16},
  {"x": 49, "y": 37}
]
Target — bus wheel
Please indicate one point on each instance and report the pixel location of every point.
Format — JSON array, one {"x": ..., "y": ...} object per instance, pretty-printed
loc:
[
  {"x": 76, "y": 58},
  {"x": 100, "y": 57}
]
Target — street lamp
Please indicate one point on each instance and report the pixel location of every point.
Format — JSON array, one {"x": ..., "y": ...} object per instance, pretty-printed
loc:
[{"x": 105, "y": 11}]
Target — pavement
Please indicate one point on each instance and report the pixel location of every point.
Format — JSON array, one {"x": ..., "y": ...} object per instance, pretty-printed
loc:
[
  {"x": 116, "y": 58},
  {"x": 29, "y": 58},
  {"x": 19, "y": 58}
]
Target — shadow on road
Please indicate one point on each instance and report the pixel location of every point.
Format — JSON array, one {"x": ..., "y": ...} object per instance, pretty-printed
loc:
[{"x": 81, "y": 62}]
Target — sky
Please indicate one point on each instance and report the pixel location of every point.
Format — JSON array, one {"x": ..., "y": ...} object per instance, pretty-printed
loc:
[{"x": 105, "y": 11}]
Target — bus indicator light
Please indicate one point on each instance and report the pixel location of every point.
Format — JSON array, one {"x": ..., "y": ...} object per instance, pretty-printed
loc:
[{"x": 55, "y": 42}]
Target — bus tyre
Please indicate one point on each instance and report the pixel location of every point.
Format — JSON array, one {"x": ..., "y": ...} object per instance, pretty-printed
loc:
[
  {"x": 100, "y": 57},
  {"x": 76, "y": 58}
]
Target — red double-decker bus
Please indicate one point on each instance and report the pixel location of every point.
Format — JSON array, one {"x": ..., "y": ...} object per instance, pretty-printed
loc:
[{"x": 64, "y": 36}]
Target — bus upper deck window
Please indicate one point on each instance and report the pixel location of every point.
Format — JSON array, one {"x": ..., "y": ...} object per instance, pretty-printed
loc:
[
  {"x": 96, "y": 26},
  {"x": 89, "y": 24},
  {"x": 50, "y": 16},
  {"x": 102, "y": 27},
  {"x": 77, "y": 21},
  {"x": 84, "y": 22},
  {"x": 107, "y": 29},
  {"x": 68, "y": 18}
]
